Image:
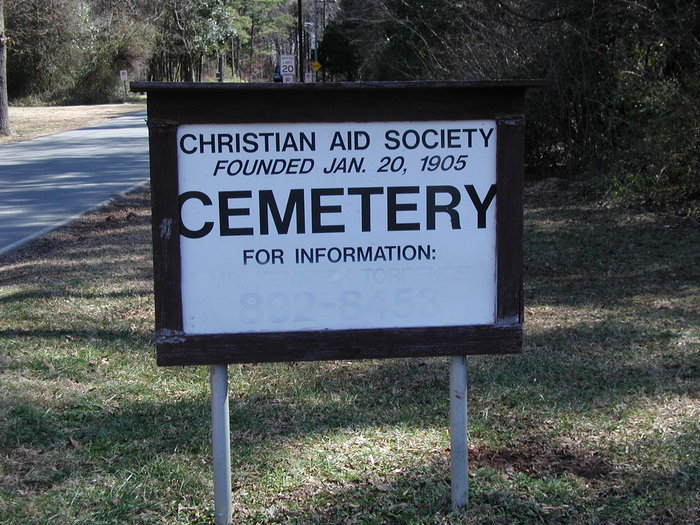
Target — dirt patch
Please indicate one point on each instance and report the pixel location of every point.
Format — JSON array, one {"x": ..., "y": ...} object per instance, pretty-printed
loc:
[
  {"x": 31, "y": 469},
  {"x": 540, "y": 460},
  {"x": 29, "y": 123}
]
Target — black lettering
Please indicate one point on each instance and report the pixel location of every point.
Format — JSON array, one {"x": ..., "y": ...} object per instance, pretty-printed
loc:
[
  {"x": 204, "y": 199},
  {"x": 266, "y": 137},
  {"x": 337, "y": 141},
  {"x": 289, "y": 143},
  {"x": 248, "y": 168},
  {"x": 225, "y": 140},
  {"x": 416, "y": 139},
  {"x": 486, "y": 136},
  {"x": 317, "y": 210},
  {"x": 262, "y": 167},
  {"x": 424, "y": 139},
  {"x": 225, "y": 212},
  {"x": 481, "y": 206},
  {"x": 306, "y": 166},
  {"x": 365, "y": 194},
  {"x": 361, "y": 144},
  {"x": 250, "y": 145},
  {"x": 303, "y": 255},
  {"x": 408, "y": 253},
  {"x": 277, "y": 166},
  {"x": 292, "y": 166},
  {"x": 307, "y": 142},
  {"x": 392, "y": 208},
  {"x": 219, "y": 166},
  {"x": 203, "y": 143},
  {"x": 182, "y": 144},
  {"x": 469, "y": 136},
  {"x": 453, "y": 138},
  {"x": 295, "y": 201},
  {"x": 432, "y": 208},
  {"x": 390, "y": 136},
  {"x": 234, "y": 172}
]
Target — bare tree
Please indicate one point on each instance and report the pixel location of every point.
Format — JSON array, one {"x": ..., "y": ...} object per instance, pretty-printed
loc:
[{"x": 4, "y": 116}]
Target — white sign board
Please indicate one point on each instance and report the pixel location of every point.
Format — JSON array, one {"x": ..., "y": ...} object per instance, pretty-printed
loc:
[
  {"x": 288, "y": 67},
  {"x": 123, "y": 75},
  {"x": 314, "y": 226}
]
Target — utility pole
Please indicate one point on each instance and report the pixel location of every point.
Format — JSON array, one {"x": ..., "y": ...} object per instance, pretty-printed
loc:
[
  {"x": 4, "y": 115},
  {"x": 315, "y": 8},
  {"x": 300, "y": 51}
]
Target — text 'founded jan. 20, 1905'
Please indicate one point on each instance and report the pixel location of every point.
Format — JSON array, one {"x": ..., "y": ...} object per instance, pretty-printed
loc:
[{"x": 293, "y": 227}]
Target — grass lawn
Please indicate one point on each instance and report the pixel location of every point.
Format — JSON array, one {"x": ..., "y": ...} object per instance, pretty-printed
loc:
[{"x": 596, "y": 422}]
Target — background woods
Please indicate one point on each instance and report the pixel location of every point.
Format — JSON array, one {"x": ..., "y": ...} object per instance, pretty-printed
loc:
[
  {"x": 620, "y": 110},
  {"x": 622, "y": 103},
  {"x": 71, "y": 50}
]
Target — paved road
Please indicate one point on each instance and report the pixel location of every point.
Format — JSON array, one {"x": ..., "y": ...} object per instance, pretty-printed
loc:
[{"x": 46, "y": 182}]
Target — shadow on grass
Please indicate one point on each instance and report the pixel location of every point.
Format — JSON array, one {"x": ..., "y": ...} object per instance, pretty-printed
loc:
[
  {"x": 585, "y": 369},
  {"x": 589, "y": 255},
  {"x": 526, "y": 483},
  {"x": 43, "y": 293},
  {"x": 89, "y": 336}
]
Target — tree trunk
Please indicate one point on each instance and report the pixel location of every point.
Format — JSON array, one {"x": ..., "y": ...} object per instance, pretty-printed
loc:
[{"x": 4, "y": 116}]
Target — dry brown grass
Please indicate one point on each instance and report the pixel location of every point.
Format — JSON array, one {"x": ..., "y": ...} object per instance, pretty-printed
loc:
[{"x": 29, "y": 123}]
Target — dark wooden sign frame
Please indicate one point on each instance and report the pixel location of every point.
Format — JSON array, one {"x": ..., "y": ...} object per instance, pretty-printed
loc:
[{"x": 174, "y": 104}]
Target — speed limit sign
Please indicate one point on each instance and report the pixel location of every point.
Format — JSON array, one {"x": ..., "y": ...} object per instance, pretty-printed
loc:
[{"x": 288, "y": 67}]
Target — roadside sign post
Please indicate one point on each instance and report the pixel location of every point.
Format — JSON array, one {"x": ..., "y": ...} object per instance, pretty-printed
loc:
[
  {"x": 459, "y": 432},
  {"x": 221, "y": 444},
  {"x": 288, "y": 68},
  {"x": 306, "y": 222},
  {"x": 124, "y": 77}
]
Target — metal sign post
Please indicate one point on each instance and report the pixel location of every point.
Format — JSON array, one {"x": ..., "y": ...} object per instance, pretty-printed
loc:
[
  {"x": 124, "y": 76},
  {"x": 221, "y": 444},
  {"x": 459, "y": 432}
]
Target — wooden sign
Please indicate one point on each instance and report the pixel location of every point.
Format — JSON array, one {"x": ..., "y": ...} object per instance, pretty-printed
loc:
[{"x": 336, "y": 221}]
